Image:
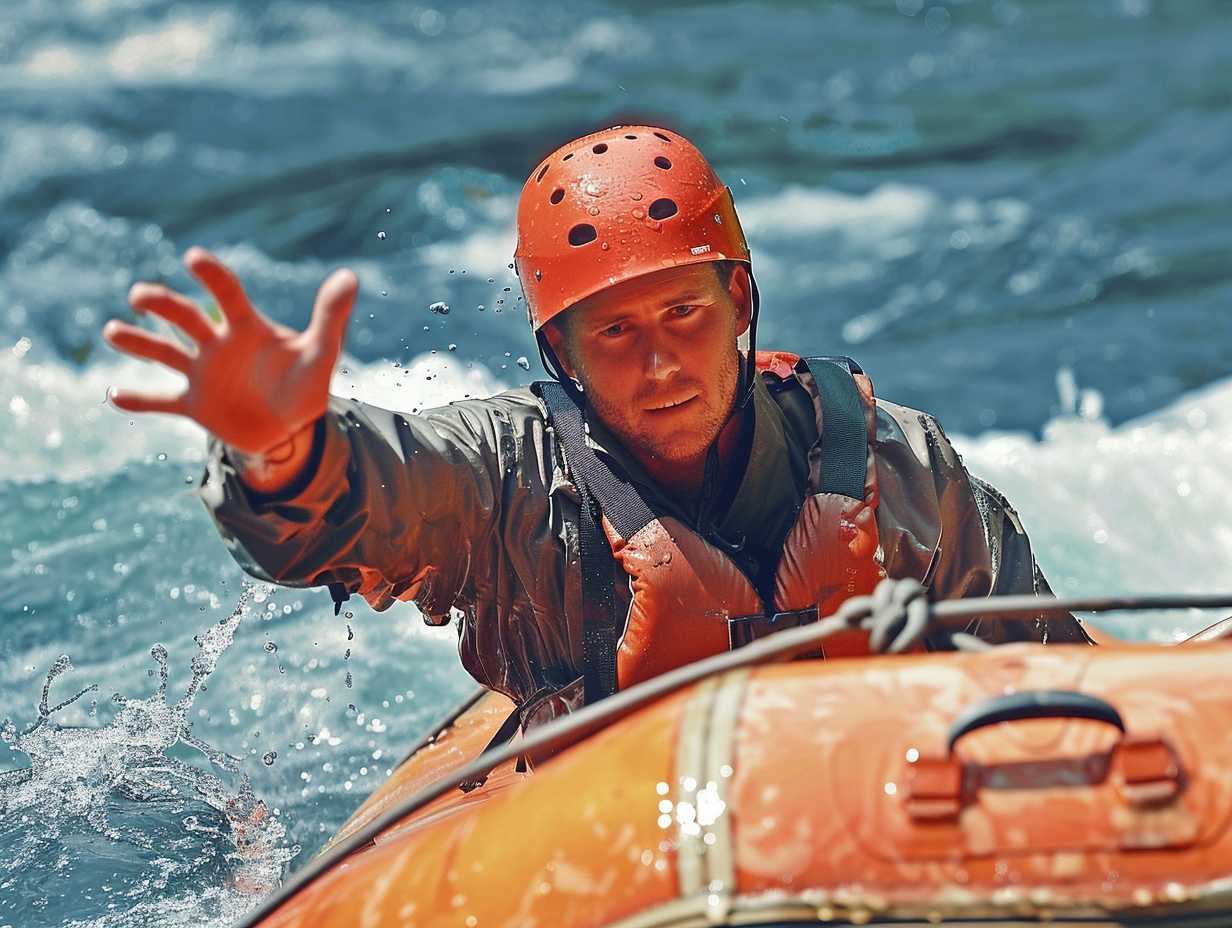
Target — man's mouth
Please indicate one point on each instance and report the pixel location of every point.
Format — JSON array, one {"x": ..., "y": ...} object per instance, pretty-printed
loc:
[{"x": 671, "y": 404}]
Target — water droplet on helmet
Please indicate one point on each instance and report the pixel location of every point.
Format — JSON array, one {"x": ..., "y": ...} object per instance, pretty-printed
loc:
[
  {"x": 538, "y": 275},
  {"x": 593, "y": 190},
  {"x": 440, "y": 307},
  {"x": 637, "y": 196},
  {"x": 605, "y": 246},
  {"x": 594, "y": 211},
  {"x": 639, "y": 213}
]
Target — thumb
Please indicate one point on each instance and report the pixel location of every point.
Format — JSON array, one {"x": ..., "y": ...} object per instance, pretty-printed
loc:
[{"x": 332, "y": 309}]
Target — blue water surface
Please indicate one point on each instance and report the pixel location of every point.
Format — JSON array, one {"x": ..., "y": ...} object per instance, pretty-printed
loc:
[{"x": 1013, "y": 214}]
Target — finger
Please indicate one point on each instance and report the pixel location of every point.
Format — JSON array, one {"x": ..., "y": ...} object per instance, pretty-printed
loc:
[
  {"x": 180, "y": 311},
  {"x": 142, "y": 344},
  {"x": 225, "y": 286},
  {"x": 134, "y": 401},
  {"x": 332, "y": 308}
]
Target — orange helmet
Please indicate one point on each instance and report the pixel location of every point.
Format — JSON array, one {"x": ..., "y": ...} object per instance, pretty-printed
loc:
[{"x": 614, "y": 205}]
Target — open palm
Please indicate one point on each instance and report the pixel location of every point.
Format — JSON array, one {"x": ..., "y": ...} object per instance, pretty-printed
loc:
[{"x": 251, "y": 381}]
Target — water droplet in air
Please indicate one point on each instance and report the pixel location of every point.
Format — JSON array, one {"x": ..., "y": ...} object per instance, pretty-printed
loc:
[
  {"x": 269, "y": 758},
  {"x": 350, "y": 634},
  {"x": 347, "y": 679},
  {"x": 453, "y": 347},
  {"x": 523, "y": 363},
  {"x": 440, "y": 307},
  {"x": 384, "y": 293},
  {"x": 271, "y": 647},
  {"x": 161, "y": 456},
  {"x": 381, "y": 236},
  {"x": 188, "y": 480}
]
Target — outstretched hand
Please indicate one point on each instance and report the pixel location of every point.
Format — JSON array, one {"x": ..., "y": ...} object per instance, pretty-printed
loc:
[{"x": 252, "y": 382}]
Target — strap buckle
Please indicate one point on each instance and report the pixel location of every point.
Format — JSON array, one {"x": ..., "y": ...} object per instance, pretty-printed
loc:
[{"x": 745, "y": 629}]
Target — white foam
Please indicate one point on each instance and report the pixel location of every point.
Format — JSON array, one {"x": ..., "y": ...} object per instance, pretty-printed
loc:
[
  {"x": 55, "y": 422},
  {"x": 486, "y": 251},
  {"x": 1141, "y": 507},
  {"x": 797, "y": 210},
  {"x": 178, "y": 47},
  {"x": 428, "y": 380}
]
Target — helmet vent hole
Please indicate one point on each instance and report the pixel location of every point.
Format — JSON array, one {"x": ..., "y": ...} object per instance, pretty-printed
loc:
[
  {"x": 661, "y": 162},
  {"x": 584, "y": 232},
  {"x": 543, "y": 170},
  {"x": 600, "y": 148},
  {"x": 660, "y": 135},
  {"x": 567, "y": 157},
  {"x": 663, "y": 208},
  {"x": 557, "y": 195},
  {"x": 631, "y": 136}
]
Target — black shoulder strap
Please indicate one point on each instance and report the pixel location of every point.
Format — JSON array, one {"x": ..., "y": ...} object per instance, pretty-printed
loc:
[
  {"x": 602, "y": 494},
  {"x": 844, "y": 434}
]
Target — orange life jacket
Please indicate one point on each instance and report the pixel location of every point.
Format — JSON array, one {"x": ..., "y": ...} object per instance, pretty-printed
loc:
[{"x": 690, "y": 599}]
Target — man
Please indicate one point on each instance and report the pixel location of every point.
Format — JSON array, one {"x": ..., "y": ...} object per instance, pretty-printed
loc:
[{"x": 667, "y": 497}]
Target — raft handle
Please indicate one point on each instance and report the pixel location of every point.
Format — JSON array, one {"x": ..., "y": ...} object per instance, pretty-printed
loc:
[
  {"x": 1033, "y": 704},
  {"x": 1146, "y": 767}
]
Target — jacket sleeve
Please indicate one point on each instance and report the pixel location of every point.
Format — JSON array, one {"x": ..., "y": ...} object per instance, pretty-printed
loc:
[
  {"x": 389, "y": 506},
  {"x": 953, "y": 531}
]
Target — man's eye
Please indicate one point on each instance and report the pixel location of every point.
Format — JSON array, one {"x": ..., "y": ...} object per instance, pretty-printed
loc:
[
  {"x": 685, "y": 309},
  {"x": 613, "y": 330}
]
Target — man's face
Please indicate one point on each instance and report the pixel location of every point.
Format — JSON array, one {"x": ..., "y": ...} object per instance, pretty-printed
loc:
[{"x": 657, "y": 358}]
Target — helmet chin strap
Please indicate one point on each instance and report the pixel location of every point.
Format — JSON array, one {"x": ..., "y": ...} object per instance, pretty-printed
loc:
[
  {"x": 750, "y": 364},
  {"x": 551, "y": 364}
]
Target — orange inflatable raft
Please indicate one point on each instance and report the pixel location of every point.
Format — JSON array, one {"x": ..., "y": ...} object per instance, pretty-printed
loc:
[{"x": 1024, "y": 784}]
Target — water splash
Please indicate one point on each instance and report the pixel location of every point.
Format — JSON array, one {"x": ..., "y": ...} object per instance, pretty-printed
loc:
[{"x": 122, "y": 790}]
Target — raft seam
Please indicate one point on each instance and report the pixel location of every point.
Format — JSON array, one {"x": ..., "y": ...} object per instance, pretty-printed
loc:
[
  {"x": 720, "y": 753},
  {"x": 690, "y": 757}
]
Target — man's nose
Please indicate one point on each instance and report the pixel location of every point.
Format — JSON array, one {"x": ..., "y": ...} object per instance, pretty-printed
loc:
[{"x": 661, "y": 362}]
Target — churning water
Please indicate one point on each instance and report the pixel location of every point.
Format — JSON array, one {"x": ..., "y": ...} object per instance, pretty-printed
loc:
[{"x": 1013, "y": 214}]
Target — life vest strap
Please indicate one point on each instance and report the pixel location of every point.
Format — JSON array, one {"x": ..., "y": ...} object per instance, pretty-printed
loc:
[
  {"x": 844, "y": 434},
  {"x": 842, "y": 444},
  {"x": 602, "y": 494},
  {"x": 746, "y": 629}
]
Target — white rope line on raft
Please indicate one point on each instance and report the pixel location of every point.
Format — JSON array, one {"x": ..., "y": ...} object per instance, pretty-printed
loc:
[{"x": 897, "y": 612}]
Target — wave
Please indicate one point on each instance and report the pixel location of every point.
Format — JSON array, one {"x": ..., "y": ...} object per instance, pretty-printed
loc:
[
  {"x": 58, "y": 424},
  {"x": 1142, "y": 507}
]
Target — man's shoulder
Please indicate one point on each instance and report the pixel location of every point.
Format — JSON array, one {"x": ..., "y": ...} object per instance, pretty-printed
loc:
[
  {"x": 518, "y": 407},
  {"x": 897, "y": 424}
]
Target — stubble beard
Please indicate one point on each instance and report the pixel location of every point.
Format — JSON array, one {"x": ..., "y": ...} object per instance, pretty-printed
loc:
[{"x": 686, "y": 445}]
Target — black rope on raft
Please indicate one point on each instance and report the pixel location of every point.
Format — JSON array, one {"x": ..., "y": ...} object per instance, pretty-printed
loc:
[{"x": 892, "y": 609}]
